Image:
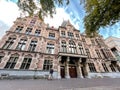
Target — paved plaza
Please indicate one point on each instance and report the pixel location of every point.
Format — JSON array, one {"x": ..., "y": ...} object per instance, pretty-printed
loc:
[{"x": 63, "y": 84}]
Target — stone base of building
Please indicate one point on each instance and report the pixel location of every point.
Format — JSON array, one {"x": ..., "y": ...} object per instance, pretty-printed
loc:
[
  {"x": 25, "y": 74},
  {"x": 31, "y": 74},
  {"x": 102, "y": 75}
]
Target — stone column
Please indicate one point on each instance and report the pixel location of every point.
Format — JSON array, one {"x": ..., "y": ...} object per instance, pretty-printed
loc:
[
  {"x": 59, "y": 59},
  {"x": 79, "y": 72},
  {"x": 67, "y": 68}
]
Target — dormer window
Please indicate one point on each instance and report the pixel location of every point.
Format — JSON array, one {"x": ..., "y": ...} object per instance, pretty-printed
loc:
[
  {"x": 51, "y": 35},
  {"x": 37, "y": 32},
  {"x": 28, "y": 31},
  {"x": 63, "y": 33},
  {"x": 19, "y": 28},
  {"x": 70, "y": 34}
]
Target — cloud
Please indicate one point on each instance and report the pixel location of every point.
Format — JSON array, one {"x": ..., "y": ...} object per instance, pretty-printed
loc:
[
  {"x": 58, "y": 18},
  {"x": 8, "y": 12}
]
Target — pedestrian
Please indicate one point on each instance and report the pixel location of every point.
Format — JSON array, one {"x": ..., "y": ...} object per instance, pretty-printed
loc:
[{"x": 51, "y": 74}]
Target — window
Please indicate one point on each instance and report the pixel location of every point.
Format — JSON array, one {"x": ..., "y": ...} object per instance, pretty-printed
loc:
[
  {"x": 81, "y": 49},
  {"x": 77, "y": 35},
  {"x": 112, "y": 68},
  {"x": 19, "y": 28},
  {"x": 50, "y": 48},
  {"x": 32, "y": 22},
  {"x": 83, "y": 39},
  {"x": 105, "y": 67},
  {"x": 118, "y": 67},
  {"x": 98, "y": 53},
  {"x": 72, "y": 47},
  {"x": 32, "y": 46},
  {"x": 28, "y": 31},
  {"x": 63, "y": 33},
  {"x": 70, "y": 34},
  {"x": 88, "y": 52},
  {"x": 21, "y": 44},
  {"x": 64, "y": 47},
  {"x": 26, "y": 63},
  {"x": 37, "y": 32},
  {"x": 51, "y": 35},
  {"x": 11, "y": 62},
  {"x": 1, "y": 58},
  {"x": 92, "y": 67},
  {"x": 9, "y": 43},
  {"x": 93, "y": 42},
  {"x": 47, "y": 65}
]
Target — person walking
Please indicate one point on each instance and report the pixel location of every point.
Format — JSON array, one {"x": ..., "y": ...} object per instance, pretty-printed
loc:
[{"x": 51, "y": 74}]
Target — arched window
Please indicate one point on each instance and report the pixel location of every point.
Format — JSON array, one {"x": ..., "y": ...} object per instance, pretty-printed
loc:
[
  {"x": 81, "y": 48},
  {"x": 33, "y": 45},
  {"x": 9, "y": 42},
  {"x": 21, "y": 44},
  {"x": 1, "y": 56},
  {"x": 64, "y": 46},
  {"x": 72, "y": 47},
  {"x": 50, "y": 48},
  {"x": 12, "y": 61},
  {"x": 26, "y": 62}
]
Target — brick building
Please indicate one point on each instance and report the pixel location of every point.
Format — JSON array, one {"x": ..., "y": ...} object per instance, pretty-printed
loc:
[
  {"x": 114, "y": 44},
  {"x": 30, "y": 48}
]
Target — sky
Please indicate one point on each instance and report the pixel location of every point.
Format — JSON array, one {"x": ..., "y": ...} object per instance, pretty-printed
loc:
[{"x": 74, "y": 12}]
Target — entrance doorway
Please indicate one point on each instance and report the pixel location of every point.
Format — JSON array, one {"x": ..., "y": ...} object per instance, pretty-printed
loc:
[
  {"x": 62, "y": 68},
  {"x": 73, "y": 71}
]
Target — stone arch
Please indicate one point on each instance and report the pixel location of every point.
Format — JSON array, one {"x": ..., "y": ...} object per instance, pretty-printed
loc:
[
  {"x": 28, "y": 56},
  {"x": 2, "y": 53},
  {"x": 24, "y": 37},
  {"x": 15, "y": 55}
]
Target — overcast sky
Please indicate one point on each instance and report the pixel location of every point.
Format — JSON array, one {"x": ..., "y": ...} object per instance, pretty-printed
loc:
[{"x": 74, "y": 12}]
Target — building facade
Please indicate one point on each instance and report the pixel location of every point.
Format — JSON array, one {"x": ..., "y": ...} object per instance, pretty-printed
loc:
[
  {"x": 30, "y": 48},
  {"x": 114, "y": 44}
]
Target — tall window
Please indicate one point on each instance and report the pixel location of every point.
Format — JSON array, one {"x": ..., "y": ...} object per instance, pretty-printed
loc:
[
  {"x": 64, "y": 46},
  {"x": 47, "y": 65},
  {"x": 70, "y": 34},
  {"x": 63, "y": 33},
  {"x": 112, "y": 68},
  {"x": 9, "y": 43},
  {"x": 21, "y": 44},
  {"x": 50, "y": 48},
  {"x": 88, "y": 53},
  {"x": 51, "y": 35},
  {"x": 32, "y": 22},
  {"x": 26, "y": 63},
  {"x": 32, "y": 46},
  {"x": 81, "y": 48},
  {"x": 72, "y": 47},
  {"x": 37, "y": 32},
  {"x": 1, "y": 58},
  {"x": 19, "y": 29},
  {"x": 118, "y": 67},
  {"x": 98, "y": 53},
  {"x": 92, "y": 67},
  {"x": 77, "y": 36},
  {"x": 105, "y": 67},
  {"x": 11, "y": 62},
  {"x": 93, "y": 42},
  {"x": 83, "y": 39},
  {"x": 28, "y": 31}
]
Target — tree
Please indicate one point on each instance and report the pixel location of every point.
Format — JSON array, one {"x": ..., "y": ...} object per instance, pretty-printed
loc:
[{"x": 99, "y": 13}]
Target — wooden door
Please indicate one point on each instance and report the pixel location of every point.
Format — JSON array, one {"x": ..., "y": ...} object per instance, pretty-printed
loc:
[
  {"x": 62, "y": 72},
  {"x": 73, "y": 71}
]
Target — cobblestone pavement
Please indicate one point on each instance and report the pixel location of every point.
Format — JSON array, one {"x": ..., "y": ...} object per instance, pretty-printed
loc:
[{"x": 63, "y": 84}]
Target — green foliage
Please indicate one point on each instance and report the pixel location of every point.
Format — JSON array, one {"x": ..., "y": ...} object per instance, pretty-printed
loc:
[
  {"x": 100, "y": 13},
  {"x": 44, "y": 8}
]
